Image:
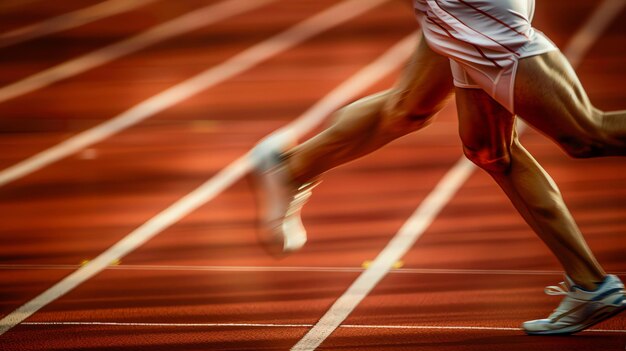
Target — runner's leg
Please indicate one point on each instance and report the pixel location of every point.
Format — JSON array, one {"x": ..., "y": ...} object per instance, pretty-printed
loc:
[
  {"x": 374, "y": 121},
  {"x": 549, "y": 96},
  {"x": 489, "y": 140},
  {"x": 286, "y": 177}
]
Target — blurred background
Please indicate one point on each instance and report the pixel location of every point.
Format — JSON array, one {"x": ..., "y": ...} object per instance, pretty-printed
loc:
[{"x": 113, "y": 111}]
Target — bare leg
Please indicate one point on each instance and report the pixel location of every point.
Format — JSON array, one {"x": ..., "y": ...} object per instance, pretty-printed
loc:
[
  {"x": 285, "y": 183},
  {"x": 374, "y": 121},
  {"x": 550, "y": 97},
  {"x": 489, "y": 140}
]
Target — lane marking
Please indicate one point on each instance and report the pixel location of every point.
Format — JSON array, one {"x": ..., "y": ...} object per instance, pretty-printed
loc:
[
  {"x": 186, "y": 23},
  {"x": 274, "y": 325},
  {"x": 70, "y": 20},
  {"x": 416, "y": 225},
  {"x": 596, "y": 24},
  {"x": 237, "y": 64},
  {"x": 412, "y": 229},
  {"x": 313, "y": 269},
  {"x": 356, "y": 84}
]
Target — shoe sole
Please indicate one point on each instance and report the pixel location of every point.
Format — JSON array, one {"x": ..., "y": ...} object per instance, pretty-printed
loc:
[{"x": 599, "y": 316}]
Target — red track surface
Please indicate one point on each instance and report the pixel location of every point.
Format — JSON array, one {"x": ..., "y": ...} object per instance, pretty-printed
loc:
[{"x": 76, "y": 208}]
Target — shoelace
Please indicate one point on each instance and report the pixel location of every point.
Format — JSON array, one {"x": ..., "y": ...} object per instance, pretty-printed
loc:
[
  {"x": 561, "y": 289},
  {"x": 301, "y": 197},
  {"x": 566, "y": 304}
]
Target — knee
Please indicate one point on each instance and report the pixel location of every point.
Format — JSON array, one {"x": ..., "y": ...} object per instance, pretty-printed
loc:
[
  {"x": 592, "y": 139},
  {"x": 485, "y": 158}
]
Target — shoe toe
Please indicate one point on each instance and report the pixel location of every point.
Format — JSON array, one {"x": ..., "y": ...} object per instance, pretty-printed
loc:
[
  {"x": 293, "y": 233},
  {"x": 537, "y": 325},
  {"x": 283, "y": 237}
]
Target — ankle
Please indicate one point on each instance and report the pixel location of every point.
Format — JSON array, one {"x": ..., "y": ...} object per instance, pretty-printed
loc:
[{"x": 589, "y": 284}]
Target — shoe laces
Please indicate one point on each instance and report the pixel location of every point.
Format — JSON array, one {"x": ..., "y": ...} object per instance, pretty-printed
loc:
[
  {"x": 303, "y": 193},
  {"x": 562, "y": 289},
  {"x": 569, "y": 302}
]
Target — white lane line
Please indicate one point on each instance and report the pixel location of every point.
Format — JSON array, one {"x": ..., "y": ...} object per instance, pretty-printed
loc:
[
  {"x": 412, "y": 229},
  {"x": 313, "y": 269},
  {"x": 356, "y": 84},
  {"x": 593, "y": 28},
  {"x": 70, "y": 20},
  {"x": 274, "y": 325},
  {"x": 194, "y": 325},
  {"x": 430, "y": 207},
  {"x": 178, "y": 26},
  {"x": 239, "y": 63}
]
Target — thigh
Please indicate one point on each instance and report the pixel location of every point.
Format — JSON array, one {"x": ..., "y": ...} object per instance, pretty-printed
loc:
[
  {"x": 424, "y": 86},
  {"x": 486, "y": 128},
  {"x": 549, "y": 96}
]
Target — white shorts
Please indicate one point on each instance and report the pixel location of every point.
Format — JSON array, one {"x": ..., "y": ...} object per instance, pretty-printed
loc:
[{"x": 484, "y": 40}]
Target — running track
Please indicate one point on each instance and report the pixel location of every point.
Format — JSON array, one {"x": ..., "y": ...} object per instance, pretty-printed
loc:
[{"x": 473, "y": 276}]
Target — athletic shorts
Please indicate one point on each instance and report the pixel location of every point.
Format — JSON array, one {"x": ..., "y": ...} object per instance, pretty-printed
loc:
[{"x": 484, "y": 40}]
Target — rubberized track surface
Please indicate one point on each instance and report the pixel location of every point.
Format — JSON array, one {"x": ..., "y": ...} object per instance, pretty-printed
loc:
[{"x": 204, "y": 283}]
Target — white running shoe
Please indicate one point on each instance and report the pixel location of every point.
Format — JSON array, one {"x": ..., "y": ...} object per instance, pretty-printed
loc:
[
  {"x": 280, "y": 200},
  {"x": 580, "y": 309}
]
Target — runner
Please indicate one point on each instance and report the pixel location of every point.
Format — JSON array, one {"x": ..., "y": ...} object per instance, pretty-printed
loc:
[{"x": 498, "y": 66}]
